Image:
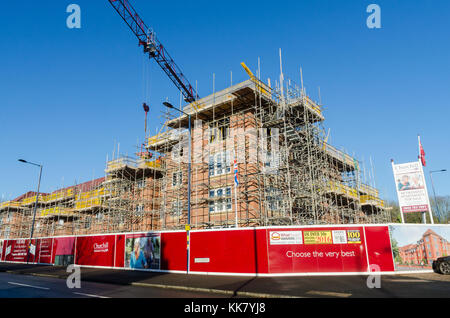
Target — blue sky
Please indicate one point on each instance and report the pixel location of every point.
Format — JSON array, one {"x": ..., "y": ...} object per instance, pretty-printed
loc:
[
  {"x": 67, "y": 96},
  {"x": 410, "y": 234}
]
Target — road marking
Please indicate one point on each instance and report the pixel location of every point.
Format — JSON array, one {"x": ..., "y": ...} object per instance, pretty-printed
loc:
[
  {"x": 328, "y": 293},
  {"x": 215, "y": 291},
  {"x": 409, "y": 281},
  {"x": 25, "y": 285},
  {"x": 91, "y": 295}
]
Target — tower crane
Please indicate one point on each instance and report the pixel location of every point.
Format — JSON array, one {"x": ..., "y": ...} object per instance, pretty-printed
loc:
[{"x": 154, "y": 48}]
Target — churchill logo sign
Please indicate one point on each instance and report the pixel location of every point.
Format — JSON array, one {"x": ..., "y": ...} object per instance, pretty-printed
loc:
[{"x": 101, "y": 248}]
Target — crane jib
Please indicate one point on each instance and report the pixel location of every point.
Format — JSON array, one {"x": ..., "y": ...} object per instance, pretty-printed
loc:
[{"x": 153, "y": 47}]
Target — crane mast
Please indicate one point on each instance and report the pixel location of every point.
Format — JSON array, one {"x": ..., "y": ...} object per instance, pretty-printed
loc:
[{"x": 154, "y": 48}]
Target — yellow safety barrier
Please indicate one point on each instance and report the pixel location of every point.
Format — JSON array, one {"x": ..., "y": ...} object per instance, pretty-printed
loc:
[
  {"x": 364, "y": 188},
  {"x": 60, "y": 195},
  {"x": 149, "y": 164},
  {"x": 370, "y": 199},
  {"x": 90, "y": 203},
  {"x": 341, "y": 188},
  {"x": 56, "y": 211},
  {"x": 158, "y": 138},
  {"x": 10, "y": 204},
  {"x": 90, "y": 199},
  {"x": 31, "y": 200},
  {"x": 90, "y": 194}
]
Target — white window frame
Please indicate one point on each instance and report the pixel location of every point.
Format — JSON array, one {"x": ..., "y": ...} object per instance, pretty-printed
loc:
[
  {"x": 177, "y": 178},
  {"x": 219, "y": 164},
  {"x": 273, "y": 199},
  {"x": 224, "y": 203}
]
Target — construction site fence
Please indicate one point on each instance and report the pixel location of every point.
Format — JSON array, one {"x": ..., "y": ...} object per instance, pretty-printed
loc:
[{"x": 280, "y": 250}]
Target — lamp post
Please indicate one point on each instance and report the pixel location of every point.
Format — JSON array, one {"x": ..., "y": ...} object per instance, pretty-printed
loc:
[
  {"x": 434, "y": 192},
  {"x": 188, "y": 227},
  {"x": 35, "y": 205}
]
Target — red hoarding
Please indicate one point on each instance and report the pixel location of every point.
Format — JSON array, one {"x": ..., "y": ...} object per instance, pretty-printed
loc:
[
  {"x": 312, "y": 250},
  {"x": 95, "y": 250},
  {"x": 63, "y": 249},
  {"x": 44, "y": 251},
  {"x": 229, "y": 251},
  {"x": 17, "y": 251},
  {"x": 173, "y": 251},
  {"x": 379, "y": 250},
  {"x": 120, "y": 251},
  {"x": 1, "y": 250},
  {"x": 276, "y": 250}
]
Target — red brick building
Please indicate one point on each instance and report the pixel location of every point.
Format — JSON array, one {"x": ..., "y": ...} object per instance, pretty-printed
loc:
[{"x": 428, "y": 248}]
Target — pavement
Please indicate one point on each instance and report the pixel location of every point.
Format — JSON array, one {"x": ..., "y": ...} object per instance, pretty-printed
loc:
[
  {"x": 424, "y": 285},
  {"x": 14, "y": 286}
]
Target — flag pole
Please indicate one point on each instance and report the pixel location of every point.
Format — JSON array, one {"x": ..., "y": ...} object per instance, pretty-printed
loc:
[
  {"x": 235, "y": 191},
  {"x": 421, "y": 161},
  {"x": 424, "y": 218},
  {"x": 396, "y": 188},
  {"x": 235, "y": 206}
]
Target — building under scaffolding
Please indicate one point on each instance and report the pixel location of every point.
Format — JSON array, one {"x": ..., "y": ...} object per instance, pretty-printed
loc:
[{"x": 288, "y": 174}]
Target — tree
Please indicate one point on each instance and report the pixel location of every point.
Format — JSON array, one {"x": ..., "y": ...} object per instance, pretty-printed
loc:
[
  {"x": 441, "y": 208},
  {"x": 395, "y": 251},
  {"x": 394, "y": 211}
]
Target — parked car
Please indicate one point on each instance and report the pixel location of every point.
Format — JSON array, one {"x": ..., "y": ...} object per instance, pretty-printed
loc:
[{"x": 442, "y": 265}]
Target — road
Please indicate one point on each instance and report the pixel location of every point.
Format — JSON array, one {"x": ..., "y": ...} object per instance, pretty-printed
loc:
[
  {"x": 50, "y": 281},
  {"x": 25, "y": 286}
]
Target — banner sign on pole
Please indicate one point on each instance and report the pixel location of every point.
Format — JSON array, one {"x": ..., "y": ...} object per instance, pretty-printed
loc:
[{"x": 411, "y": 187}]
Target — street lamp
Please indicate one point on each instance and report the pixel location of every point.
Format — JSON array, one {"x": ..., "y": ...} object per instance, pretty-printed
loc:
[
  {"x": 434, "y": 192},
  {"x": 35, "y": 205},
  {"x": 188, "y": 227}
]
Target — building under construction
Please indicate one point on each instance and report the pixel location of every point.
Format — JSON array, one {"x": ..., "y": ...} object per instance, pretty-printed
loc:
[{"x": 259, "y": 156}]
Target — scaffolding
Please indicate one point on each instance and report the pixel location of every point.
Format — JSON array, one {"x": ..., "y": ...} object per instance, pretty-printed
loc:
[
  {"x": 304, "y": 180},
  {"x": 288, "y": 174}
]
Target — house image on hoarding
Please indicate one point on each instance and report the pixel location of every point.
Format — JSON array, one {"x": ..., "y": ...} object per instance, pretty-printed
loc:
[{"x": 430, "y": 246}]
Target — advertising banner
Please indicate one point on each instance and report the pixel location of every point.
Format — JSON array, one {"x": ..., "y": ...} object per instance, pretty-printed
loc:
[
  {"x": 411, "y": 187},
  {"x": 1, "y": 250},
  {"x": 285, "y": 237},
  {"x": 415, "y": 246},
  {"x": 17, "y": 251},
  {"x": 319, "y": 250},
  {"x": 95, "y": 250},
  {"x": 143, "y": 251},
  {"x": 44, "y": 254}
]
